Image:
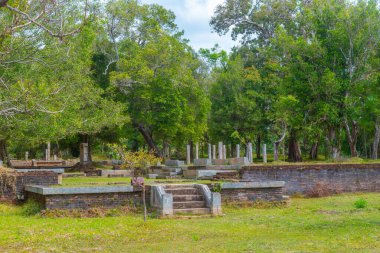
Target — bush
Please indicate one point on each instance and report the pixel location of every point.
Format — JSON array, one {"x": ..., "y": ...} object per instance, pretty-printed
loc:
[
  {"x": 30, "y": 208},
  {"x": 361, "y": 203}
]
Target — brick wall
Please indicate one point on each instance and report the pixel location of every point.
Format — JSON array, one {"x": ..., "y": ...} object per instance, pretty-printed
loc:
[
  {"x": 12, "y": 184},
  {"x": 252, "y": 195},
  {"x": 305, "y": 178},
  {"x": 87, "y": 201}
]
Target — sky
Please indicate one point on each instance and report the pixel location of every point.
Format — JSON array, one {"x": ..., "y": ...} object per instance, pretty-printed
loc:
[{"x": 193, "y": 16}]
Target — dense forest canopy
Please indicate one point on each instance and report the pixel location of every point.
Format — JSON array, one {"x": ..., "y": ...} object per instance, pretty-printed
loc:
[{"x": 304, "y": 80}]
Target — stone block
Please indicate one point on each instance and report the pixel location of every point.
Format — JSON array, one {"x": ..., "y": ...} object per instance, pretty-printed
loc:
[
  {"x": 174, "y": 163},
  {"x": 152, "y": 176},
  {"x": 202, "y": 162},
  {"x": 238, "y": 161},
  {"x": 116, "y": 173},
  {"x": 202, "y": 174},
  {"x": 219, "y": 161}
]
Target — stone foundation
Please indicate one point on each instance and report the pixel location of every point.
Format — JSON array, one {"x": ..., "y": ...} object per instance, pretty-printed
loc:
[
  {"x": 13, "y": 183},
  {"x": 304, "y": 179},
  {"x": 249, "y": 192},
  {"x": 85, "y": 197}
]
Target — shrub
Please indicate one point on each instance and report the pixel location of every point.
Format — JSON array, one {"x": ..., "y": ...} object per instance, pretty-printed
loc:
[
  {"x": 217, "y": 187},
  {"x": 361, "y": 203},
  {"x": 30, "y": 208}
]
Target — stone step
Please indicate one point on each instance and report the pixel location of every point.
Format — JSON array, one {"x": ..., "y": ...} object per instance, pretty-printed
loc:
[
  {"x": 188, "y": 204},
  {"x": 177, "y": 186},
  {"x": 183, "y": 198},
  {"x": 182, "y": 191},
  {"x": 192, "y": 211}
]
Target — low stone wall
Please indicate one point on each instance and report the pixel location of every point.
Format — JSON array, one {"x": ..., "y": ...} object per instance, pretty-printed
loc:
[
  {"x": 85, "y": 197},
  {"x": 249, "y": 192},
  {"x": 12, "y": 184},
  {"x": 309, "y": 179}
]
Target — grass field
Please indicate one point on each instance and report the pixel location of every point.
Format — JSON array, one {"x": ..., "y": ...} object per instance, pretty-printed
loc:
[{"x": 329, "y": 224}]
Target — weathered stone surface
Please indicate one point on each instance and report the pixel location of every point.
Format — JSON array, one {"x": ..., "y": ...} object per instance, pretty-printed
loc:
[
  {"x": 202, "y": 162},
  {"x": 219, "y": 162},
  {"x": 174, "y": 163},
  {"x": 197, "y": 174},
  {"x": 55, "y": 170},
  {"x": 20, "y": 179},
  {"x": 305, "y": 178},
  {"x": 116, "y": 173},
  {"x": 245, "y": 185},
  {"x": 43, "y": 190},
  {"x": 238, "y": 161},
  {"x": 89, "y": 200}
]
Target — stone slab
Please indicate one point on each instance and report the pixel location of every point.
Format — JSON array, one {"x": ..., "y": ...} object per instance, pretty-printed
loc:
[
  {"x": 202, "y": 162},
  {"x": 76, "y": 190},
  {"x": 248, "y": 185},
  {"x": 196, "y": 174},
  {"x": 219, "y": 161},
  {"x": 152, "y": 176},
  {"x": 174, "y": 163},
  {"x": 56, "y": 170},
  {"x": 238, "y": 161},
  {"x": 113, "y": 173}
]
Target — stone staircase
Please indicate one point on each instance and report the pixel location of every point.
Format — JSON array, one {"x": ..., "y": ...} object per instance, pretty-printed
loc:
[{"x": 187, "y": 199}]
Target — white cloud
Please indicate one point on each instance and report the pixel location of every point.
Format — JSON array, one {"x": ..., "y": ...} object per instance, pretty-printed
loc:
[{"x": 193, "y": 16}]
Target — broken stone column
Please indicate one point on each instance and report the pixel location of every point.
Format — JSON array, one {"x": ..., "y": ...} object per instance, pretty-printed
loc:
[
  {"x": 249, "y": 155},
  {"x": 55, "y": 158},
  {"x": 188, "y": 159},
  {"x": 214, "y": 152},
  {"x": 265, "y": 153},
  {"x": 224, "y": 152},
  {"x": 48, "y": 151},
  {"x": 209, "y": 151},
  {"x": 196, "y": 151},
  {"x": 220, "y": 150},
  {"x": 26, "y": 155},
  {"x": 84, "y": 155},
  {"x": 237, "y": 151}
]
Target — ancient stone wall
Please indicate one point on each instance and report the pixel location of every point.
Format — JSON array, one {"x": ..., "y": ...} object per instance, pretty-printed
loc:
[
  {"x": 12, "y": 184},
  {"x": 87, "y": 201},
  {"x": 309, "y": 179},
  {"x": 252, "y": 195}
]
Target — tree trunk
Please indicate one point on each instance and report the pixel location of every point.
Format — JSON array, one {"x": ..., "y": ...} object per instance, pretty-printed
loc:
[
  {"x": 294, "y": 154},
  {"x": 4, "y": 151},
  {"x": 352, "y": 136},
  {"x": 376, "y": 139},
  {"x": 258, "y": 147},
  {"x": 149, "y": 140},
  {"x": 314, "y": 151},
  {"x": 278, "y": 142},
  {"x": 334, "y": 143}
]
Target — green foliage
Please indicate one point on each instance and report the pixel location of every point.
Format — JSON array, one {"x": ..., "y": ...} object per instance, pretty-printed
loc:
[
  {"x": 360, "y": 203},
  {"x": 30, "y": 208}
]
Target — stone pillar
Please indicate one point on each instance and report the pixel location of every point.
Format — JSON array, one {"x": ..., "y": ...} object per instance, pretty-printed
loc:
[
  {"x": 48, "y": 151},
  {"x": 26, "y": 155},
  {"x": 224, "y": 152},
  {"x": 1, "y": 163},
  {"x": 196, "y": 151},
  {"x": 84, "y": 156},
  {"x": 55, "y": 158},
  {"x": 249, "y": 155},
  {"x": 209, "y": 151},
  {"x": 265, "y": 153},
  {"x": 46, "y": 154},
  {"x": 220, "y": 150},
  {"x": 213, "y": 151},
  {"x": 188, "y": 159},
  {"x": 237, "y": 151}
]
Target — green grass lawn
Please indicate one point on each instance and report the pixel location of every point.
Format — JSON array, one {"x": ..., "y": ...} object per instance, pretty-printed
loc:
[{"x": 329, "y": 224}]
